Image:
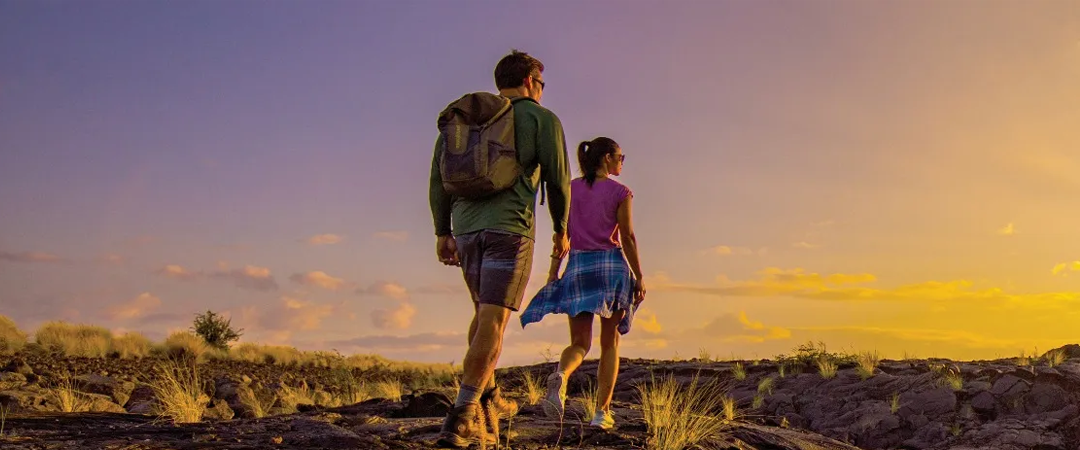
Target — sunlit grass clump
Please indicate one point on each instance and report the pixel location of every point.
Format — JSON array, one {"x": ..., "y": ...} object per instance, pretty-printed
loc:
[
  {"x": 531, "y": 387},
  {"x": 11, "y": 339},
  {"x": 681, "y": 416},
  {"x": 75, "y": 339},
  {"x": 180, "y": 391},
  {"x": 867, "y": 362},
  {"x": 64, "y": 392},
  {"x": 132, "y": 345}
]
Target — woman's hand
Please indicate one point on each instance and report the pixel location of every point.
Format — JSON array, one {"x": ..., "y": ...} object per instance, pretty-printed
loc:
[
  {"x": 553, "y": 271},
  {"x": 639, "y": 293}
]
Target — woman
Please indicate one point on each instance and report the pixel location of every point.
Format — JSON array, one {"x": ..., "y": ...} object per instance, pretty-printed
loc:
[{"x": 597, "y": 280}]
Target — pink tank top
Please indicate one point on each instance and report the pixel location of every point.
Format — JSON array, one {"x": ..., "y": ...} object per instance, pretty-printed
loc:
[{"x": 594, "y": 220}]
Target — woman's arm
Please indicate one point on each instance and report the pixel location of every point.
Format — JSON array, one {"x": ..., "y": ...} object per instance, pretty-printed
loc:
[
  {"x": 629, "y": 242},
  {"x": 553, "y": 271}
]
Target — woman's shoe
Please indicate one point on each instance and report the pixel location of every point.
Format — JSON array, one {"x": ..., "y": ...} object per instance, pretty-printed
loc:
[
  {"x": 604, "y": 420},
  {"x": 555, "y": 400}
]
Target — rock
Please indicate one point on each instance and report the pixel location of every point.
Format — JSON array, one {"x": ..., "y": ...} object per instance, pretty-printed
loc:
[
  {"x": 930, "y": 402},
  {"x": 142, "y": 400},
  {"x": 11, "y": 380},
  {"x": 428, "y": 404},
  {"x": 218, "y": 410},
  {"x": 118, "y": 390},
  {"x": 19, "y": 366},
  {"x": 1045, "y": 398},
  {"x": 23, "y": 401},
  {"x": 930, "y": 435},
  {"x": 984, "y": 403},
  {"x": 101, "y": 403}
]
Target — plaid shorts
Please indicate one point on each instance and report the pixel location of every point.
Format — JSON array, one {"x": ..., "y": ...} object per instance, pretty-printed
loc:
[{"x": 496, "y": 265}]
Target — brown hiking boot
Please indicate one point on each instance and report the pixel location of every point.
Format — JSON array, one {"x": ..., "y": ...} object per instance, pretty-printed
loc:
[
  {"x": 505, "y": 408},
  {"x": 463, "y": 426}
]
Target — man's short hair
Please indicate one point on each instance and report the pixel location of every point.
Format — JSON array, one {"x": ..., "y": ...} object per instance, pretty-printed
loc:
[{"x": 512, "y": 69}]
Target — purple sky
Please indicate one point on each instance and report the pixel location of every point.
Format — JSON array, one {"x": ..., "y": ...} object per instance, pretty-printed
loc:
[{"x": 906, "y": 143}]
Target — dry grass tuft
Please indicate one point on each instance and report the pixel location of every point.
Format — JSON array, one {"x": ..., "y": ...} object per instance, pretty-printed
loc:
[
  {"x": 826, "y": 367},
  {"x": 11, "y": 339},
  {"x": 588, "y": 402},
  {"x": 186, "y": 346},
  {"x": 867, "y": 363},
  {"x": 132, "y": 345},
  {"x": 63, "y": 390},
  {"x": 679, "y": 417},
  {"x": 532, "y": 387},
  {"x": 1055, "y": 357},
  {"x": 390, "y": 388},
  {"x": 75, "y": 340},
  {"x": 180, "y": 391},
  {"x": 738, "y": 371}
]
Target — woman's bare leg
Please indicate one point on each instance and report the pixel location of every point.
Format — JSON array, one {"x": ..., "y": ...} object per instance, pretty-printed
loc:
[
  {"x": 580, "y": 342},
  {"x": 609, "y": 360}
]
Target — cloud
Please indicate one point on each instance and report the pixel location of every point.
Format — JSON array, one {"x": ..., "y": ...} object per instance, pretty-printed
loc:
[
  {"x": 324, "y": 239},
  {"x": 248, "y": 277},
  {"x": 398, "y": 318},
  {"x": 725, "y": 250},
  {"x": 288, "y": 314},
  {"x": 773, "y": 282},
  {"x": 387, "y": 289},
  {"x": 732, "y": 328},
  {"x": 806, "y": 245},
  {"x": 1007, "y": 230},
  {"x": 396, "y": 236},
  {"x": 134, "y": 308},
  {"x": 646, "y": 320},
  {"x": 1063, "y": 269},
  {"x": 31, "y": 257},
  {"x": 320, "y": 279},
  {"x": 111, "y": 258}
]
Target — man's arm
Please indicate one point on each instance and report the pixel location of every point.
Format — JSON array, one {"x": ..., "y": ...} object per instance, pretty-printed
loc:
[
  {"x": 441, "y": 202},
  {"x": 555, "y": 169}
]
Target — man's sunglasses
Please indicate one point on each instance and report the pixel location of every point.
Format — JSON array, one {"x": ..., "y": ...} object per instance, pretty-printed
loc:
[{"x": 541, "y": 82}]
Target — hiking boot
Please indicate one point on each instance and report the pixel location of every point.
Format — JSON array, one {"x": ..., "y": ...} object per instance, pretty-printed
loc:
[
  {"x": 464, "y": 425},
  {"x": 503, "y": 406},
  {"x": 554, "y": 401},
  {"x": 604, "y": 420}
]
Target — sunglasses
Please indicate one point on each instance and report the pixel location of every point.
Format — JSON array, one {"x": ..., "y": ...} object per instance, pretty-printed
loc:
[
  {"x": 540, "y": 82},
  {"x": 622, "y": 157}
]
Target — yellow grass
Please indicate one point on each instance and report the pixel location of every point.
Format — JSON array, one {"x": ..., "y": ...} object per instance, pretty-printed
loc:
[
  {"x": 132, "y": 345},
  {"x": 185, "y": 345},
  {"x": 75, "y": 339},
  {"x": 826, "y": 367},
  {"x": 180, "y": 391},
  {"x": 588, "y": 402},
  {"x": 738, "y": 371},
  {"x": 1055, "y": 357},
  {"x": 532, "y": 387},
  {"x": 68, "y": 398},
  {"x": 390, "y": 389},
  {"x": 11, "y": 339},
  {"x": 765, "y": 386},
  {"x": 867, "y": 362},
  {"x": 894, "y": 402},
  {"x": 259, "y": 401},
  {"x": 679, "y": 417}
]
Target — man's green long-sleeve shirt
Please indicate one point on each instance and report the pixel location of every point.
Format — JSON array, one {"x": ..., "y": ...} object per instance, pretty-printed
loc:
[{"x": 541, "y": 147}]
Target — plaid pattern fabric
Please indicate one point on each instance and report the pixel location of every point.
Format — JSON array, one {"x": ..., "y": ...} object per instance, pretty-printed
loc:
[{"x": 595, "y": 281}]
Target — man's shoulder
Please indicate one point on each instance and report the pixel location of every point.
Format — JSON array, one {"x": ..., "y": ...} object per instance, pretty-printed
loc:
[{"x": 531, "y": 108}]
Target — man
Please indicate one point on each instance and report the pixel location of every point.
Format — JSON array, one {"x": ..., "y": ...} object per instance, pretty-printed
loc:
[{"x": 492, "y": 238}]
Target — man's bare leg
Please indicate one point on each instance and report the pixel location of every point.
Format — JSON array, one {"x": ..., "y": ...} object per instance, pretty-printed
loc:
[
  {"x": 472, "y": 333},
  {"x": 484, "y": 348}
]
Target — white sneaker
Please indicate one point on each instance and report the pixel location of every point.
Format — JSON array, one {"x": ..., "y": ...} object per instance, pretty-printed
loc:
[
  {"x": 604, "y": 420},
  {"x": 555, "y": 400}
]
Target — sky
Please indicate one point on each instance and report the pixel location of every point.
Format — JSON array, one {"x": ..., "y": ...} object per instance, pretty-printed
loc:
[{"x": 890, "y": 176}]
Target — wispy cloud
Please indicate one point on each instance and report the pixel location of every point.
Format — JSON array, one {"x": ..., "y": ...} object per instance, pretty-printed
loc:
[
  {"x": 774, "y": 282},
  {"x": 278, "y": 321},
  {"x": 324, "y": 239},
  {"x": 134, "y": 308},
  {"x": 736, "y": 327},
  {"x": 416, "y": 342},
  {"x": 31, "y": 257},
  {"x": 396, "y": 236},
  {"x": 111, "y": 258},
  {"x": 724, "y": 250},
  {"x": 1063, "y": 269},
  {"x": 1007, "y": 230},
  {"x": 320, "y": 279},
  {"x": 398, "y": 317},
  {"x": 806, "y": 245},
  {"x": 248, "y": 277}
]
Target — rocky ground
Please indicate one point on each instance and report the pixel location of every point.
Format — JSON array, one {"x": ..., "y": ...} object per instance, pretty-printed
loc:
[{"x": 911, "y": 404}]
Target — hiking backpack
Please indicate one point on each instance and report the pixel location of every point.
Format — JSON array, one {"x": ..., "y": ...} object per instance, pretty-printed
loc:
[{"x": 478, "y": 156}]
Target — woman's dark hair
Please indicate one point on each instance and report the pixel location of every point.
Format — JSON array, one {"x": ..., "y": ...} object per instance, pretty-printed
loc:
[
  {"x": 591, "y": 153},
  {"x": 513, "y": 69}
]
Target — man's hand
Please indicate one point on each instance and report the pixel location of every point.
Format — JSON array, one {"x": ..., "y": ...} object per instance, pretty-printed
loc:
[
  {"x": 561, "y": 245},
  {"x": 446, "y": 250}
]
